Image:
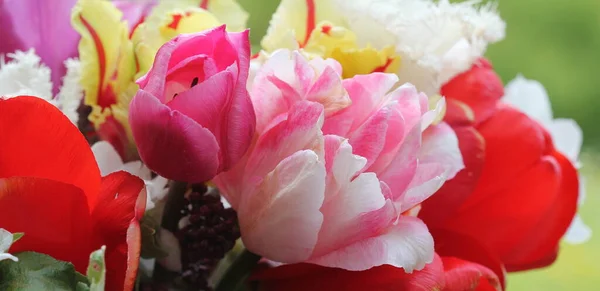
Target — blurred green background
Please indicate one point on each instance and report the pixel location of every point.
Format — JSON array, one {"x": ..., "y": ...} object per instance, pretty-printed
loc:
[{"x": 556, "y": 42}]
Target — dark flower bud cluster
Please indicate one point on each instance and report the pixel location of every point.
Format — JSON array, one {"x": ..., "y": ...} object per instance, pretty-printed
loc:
[{"x": 211, "y": 233}]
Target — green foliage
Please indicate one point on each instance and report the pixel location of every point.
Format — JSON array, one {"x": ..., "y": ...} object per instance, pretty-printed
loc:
[
  {"x": 96, "y": 271},
  {"x": 150, "y": 245},
  {"x": 36, "y": 271},
  {"x": 17, "y": 236}
]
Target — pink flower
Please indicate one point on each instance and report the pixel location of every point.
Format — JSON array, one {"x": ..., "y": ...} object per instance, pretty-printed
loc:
[
  {"x": 192, "y": 117},
  {"x": 328, "y": 184},
  {"x": 287, "y": 77}
]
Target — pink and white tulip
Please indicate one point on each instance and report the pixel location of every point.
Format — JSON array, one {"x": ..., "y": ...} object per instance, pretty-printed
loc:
[
  {"x": 330, "y": 182},
  {"x": 192, "y": 117}
]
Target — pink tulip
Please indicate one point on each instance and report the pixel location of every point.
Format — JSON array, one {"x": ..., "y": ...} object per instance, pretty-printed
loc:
[
  {"x": 328, "y": 184},
  {"x": 192, "y": 117},
  {"x": 288, "y": 77}
]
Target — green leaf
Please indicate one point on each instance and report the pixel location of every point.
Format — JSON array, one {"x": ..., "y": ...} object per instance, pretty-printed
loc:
[
  {"x": 235, "y": 277},
  {"x": 150, "y": 246},
  {"x": 36, "y": 271},
  {"x": 17, "y": 236},
  {"x": 96, "y": 271}
]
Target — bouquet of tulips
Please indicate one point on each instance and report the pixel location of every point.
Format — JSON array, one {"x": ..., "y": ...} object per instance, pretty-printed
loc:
[{"x": 364, "y": 145}]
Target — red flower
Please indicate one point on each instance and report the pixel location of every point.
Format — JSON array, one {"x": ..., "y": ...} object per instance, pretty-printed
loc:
[
  {"x": 443, "y": 274},
  {"x": 51, "y": 189},
  {"x": 517, "y": 195}
]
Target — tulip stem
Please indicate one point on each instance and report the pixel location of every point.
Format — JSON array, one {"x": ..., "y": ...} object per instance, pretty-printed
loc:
[
  {"x": 174, "y": 203},
  {"x": 173, "y": 206},
  {"x": 235, "y": 277}
]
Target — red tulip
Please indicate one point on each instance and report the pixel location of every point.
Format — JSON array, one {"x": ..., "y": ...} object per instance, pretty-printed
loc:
[
  {"x": 445, "y": 273},
  {"x": 517, "y": 194},
  {"x": 51, "y": 190}
]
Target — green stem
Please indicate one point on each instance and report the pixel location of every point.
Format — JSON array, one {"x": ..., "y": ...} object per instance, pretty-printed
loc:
[
  {"x": 173, "y": 206},
  {"x": 170, "y": 221},
  {"x": 237, "y": 273}
]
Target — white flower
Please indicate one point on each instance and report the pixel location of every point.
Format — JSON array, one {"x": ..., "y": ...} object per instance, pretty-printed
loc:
[
  {"x": 532, "y": 99},
  {"x": 109, "y": 161},
  {"x": 436, "y": 41},
  {"x": 6, "y": 240},
  {"x": 24, "y": 74}
]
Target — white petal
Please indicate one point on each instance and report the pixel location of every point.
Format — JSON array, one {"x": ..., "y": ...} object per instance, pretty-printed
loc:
[
  {"x": 427, "y": 35},
  {"x": 567, "y": 137},
  {"x": 169, "y": 242},
  {"x": 530, "y": 97},
  {"x": 281, "y": 219},
  {"x": 4, "y": 256},
  {"x": 138, "y": 169},
  {"x": 408, "y": 245},
  {"x": 107, "y": 158},
  {"x": 24, "y": 74},
  {"x": 71, "y": 93},
  {"x": 156, "y": 190},
  {"x": 578, "y": 232},
  {"x": 6, "y": 239}
]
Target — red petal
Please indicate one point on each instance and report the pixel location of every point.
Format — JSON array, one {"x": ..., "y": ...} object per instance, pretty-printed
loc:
[
  {"x": 458, "y": 113},
  {"x": 509, "y": 153},
  {"x": 39, "y": 141},
  {"x": 122, "y": 202},
  {"x": 480, "y": 88},
  {"x": 451, "y": 196},
  {"x": 113, "y": 132},
  {"x": 316, "y": 278},
  {"x": 540, "y": 247},
  {"x": 469, "y": 249},
  {"x": 461, "y": 275},
  {"x": 54, "y": 217},
  {"x": 517, "y": 206}
]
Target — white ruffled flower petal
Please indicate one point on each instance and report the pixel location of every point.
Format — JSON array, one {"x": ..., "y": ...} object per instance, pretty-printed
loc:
[
  {"x": 71, "y": 93},
  {"x": 24, "y": 74},
  {"x": 436, "y": 40}
]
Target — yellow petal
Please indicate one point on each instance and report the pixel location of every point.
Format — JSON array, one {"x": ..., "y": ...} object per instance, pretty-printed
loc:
[
  {"x": 327, "y": 37},
  {"x": 162, "y": 25},
  {"x": 228, "y": 12},
  {"x": 106, "y": 54},
  {"x": 296, "y": 19},
  {"x": 367, "y": 60},
  {"x": 194, "y": 20}
]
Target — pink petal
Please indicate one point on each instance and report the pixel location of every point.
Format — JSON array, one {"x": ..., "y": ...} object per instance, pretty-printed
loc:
[
  {"x": 215, "y": 105},
  {"x": 170, "y": 143},
  {"x": 26, "y": 24},
  {"x": 370, "y": 138},
  {"x": 134, "y": 12},
  {"x": 408, "y": 244},
  {"x": 301, "y": 130},
  {"x": 367, "y": 93},
  {"x": 354, "y": 208},
  {"x": 401, "y": 170},
  {"x": 439, "y": 160},
  {"x": 213, "y": 43},
  {"x": 281, "y": 219},
  {"x": 288, "y": 77}
]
